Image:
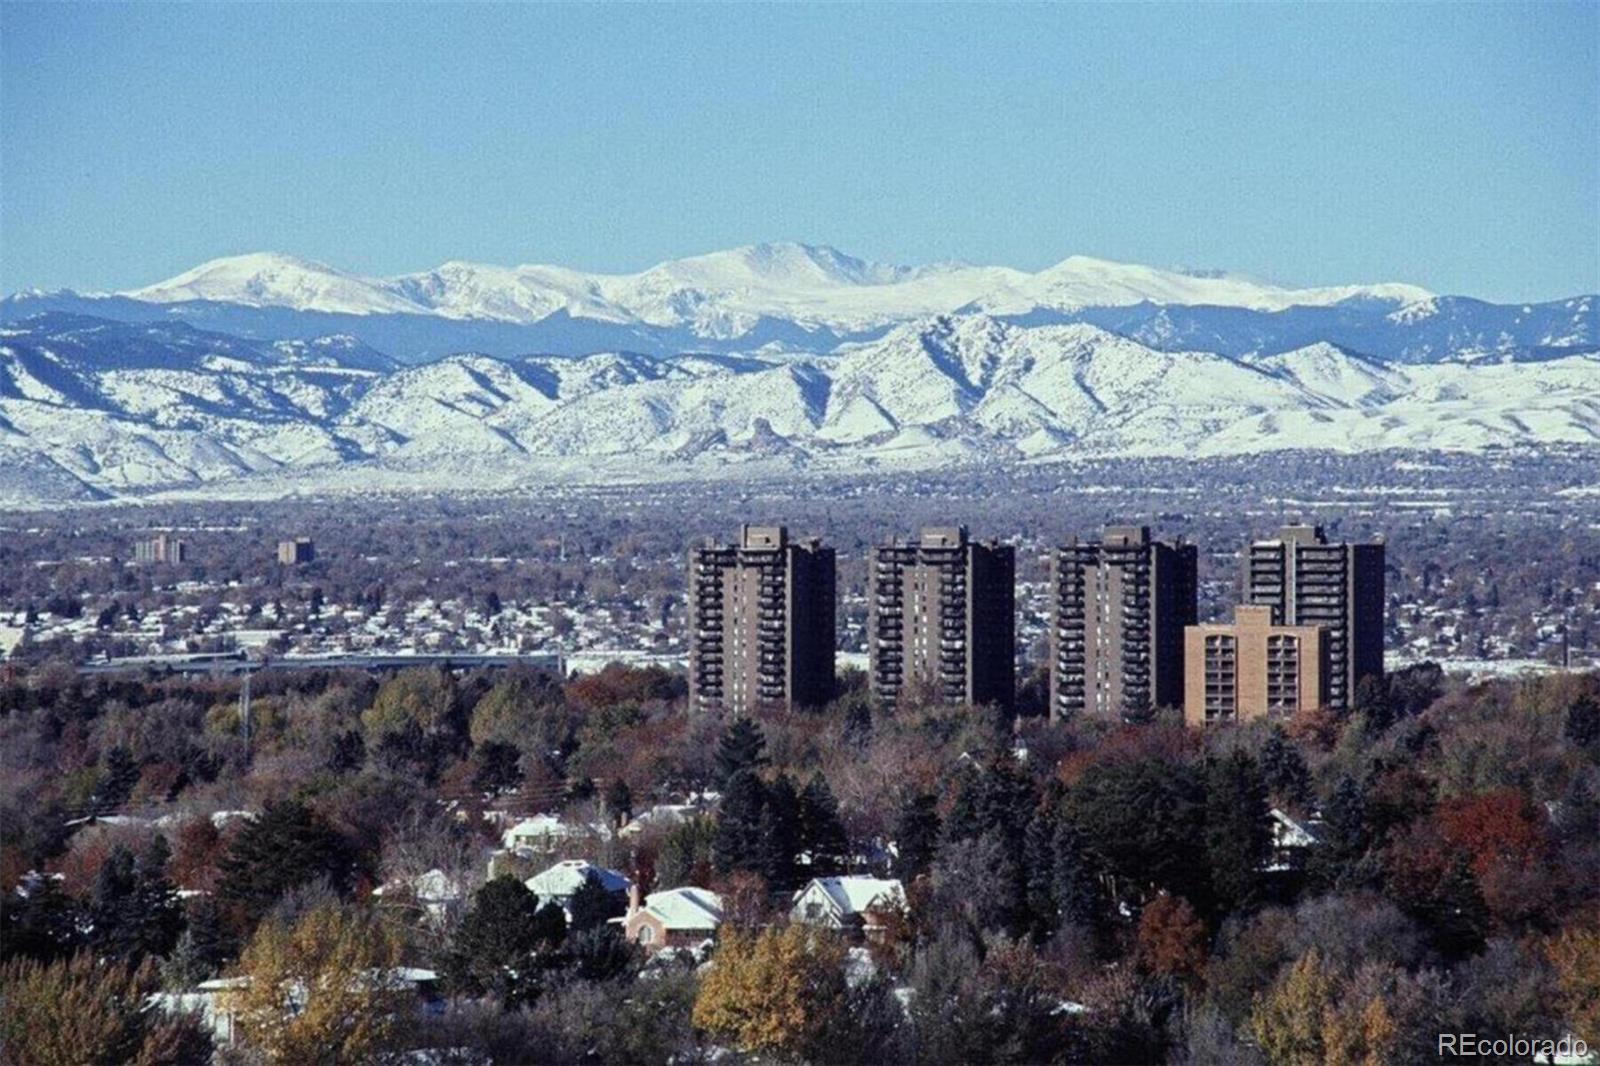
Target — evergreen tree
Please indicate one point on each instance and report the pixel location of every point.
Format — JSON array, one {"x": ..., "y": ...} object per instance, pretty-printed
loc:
[
  {"x": 348, "y": 752},
  {"x": 738, "y": 843},
  {"x": 963, "y": 822},
  {"x": 1006, "y": 802},
  {"x": 821, "y": 830},
  {"x": 134, "y": 910},
  {"x": 1284, "y": 769},
  {"x": 1238, "y": 838},
  {"x": 916, "y": 836},
  {"x": 1041, "y": 872},
  {"x": 742, "y": 747},
  {"x": 592, "y": 906},
  {"x": 618, "y": 802},
  {"x": 289, "y": 845},
  {"x": 1372, "y": 702},
  {"x": 119, "y": 773},
  {"x": 782, "y": 837},
  {"x": 43, "y": 924},
  {"x": 1076, "y": 890},
  {"x": 505, "y": 944},
  {"x": 497, "y": 769},
  {"x": 1345, "y": 835},
  {"x": 1456, "y": 915},
  {"x": 1583, "y": 725}
]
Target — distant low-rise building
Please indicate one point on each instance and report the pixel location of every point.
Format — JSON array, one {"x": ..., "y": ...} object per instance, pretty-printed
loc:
[
  {"x": 676, "y": 918},
  {"x": 854, "y": 903},
  {"x": 161, "y": 548},
  {"x": 296, "y": 552}
]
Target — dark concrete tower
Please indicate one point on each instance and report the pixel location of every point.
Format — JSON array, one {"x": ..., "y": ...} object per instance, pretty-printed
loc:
[
  {"x": 1121, "y": 605},
  {"x": 942, "y": 619},
  {"x": 1309, "y": 582},
  {"x": 761, "y": 631}
]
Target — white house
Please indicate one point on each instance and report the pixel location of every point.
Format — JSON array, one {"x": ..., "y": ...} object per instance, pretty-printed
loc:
[
  {"x": 676, "y": 918},
  {"x": 540, "y": 831},
  {"x": 436, "y": 892},
  {"x": 562, "y": 881},
  {"x": 1292, "y": 839},
  {"x": 848, "y": 902}
]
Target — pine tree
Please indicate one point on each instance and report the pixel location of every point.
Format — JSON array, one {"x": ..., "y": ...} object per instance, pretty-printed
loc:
[
  {"x": 782, "y": 836},
  {"x": 119, "y": 773},
  {"x": 1456, "y": 915},
  {"x": 963, "y": 822},
  {"x": 289, "y": 845},
  {"x": 821, "y": 830},
  {"x": 916, "y": 836},
  {"x": 738, "y": 843},
  {"x": 742, "y": 747},
  {"x": 1076, "y": 890},
  {"x": 497, "y": 769},
  {"x": 134, "y": 911},
  {"x": 1041, "y": 872},
  {"x": 44, "y": 925},
  {"x": 1237, "y": 836},
  {"x": 1345, "y": 834},
  {"x": 1583, "y": 725},
  {"x": 1284, "y": 769},
  {"x": 592, "y": 906},
  {"x": 348, "y": 752},
  {"x": 618, "y": 801},
  {"x": 503, "y": 944}
]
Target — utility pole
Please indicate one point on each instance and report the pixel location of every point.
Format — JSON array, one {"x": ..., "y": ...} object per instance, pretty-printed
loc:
[{"x": 244, "y": 707}]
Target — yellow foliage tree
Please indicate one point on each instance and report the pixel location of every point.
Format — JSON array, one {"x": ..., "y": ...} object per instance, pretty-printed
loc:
[
  {"x": 1575, "y": 954},
  {"x": 775, "y": 992},
  {"x": 1312, "y": 1017},
  {"x": 1287, "y": 1021},
  {"x": 418, "y": 696},
  {"x": 318, "y": 991},
  {"x": 80, "y": 1010}
]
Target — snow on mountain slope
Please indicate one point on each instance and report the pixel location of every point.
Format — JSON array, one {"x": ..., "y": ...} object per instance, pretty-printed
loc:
[
  {"x": 92, "y": 409},
  {"x": 268, "y": 279},
  {"x": 1337, "y": 377},
  {"x": 1081, "y": 281},
  {"x": 724, "y": 294}
]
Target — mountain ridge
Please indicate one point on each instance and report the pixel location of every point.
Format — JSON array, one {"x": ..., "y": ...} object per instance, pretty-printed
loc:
[{"x": 99, "y": 409}]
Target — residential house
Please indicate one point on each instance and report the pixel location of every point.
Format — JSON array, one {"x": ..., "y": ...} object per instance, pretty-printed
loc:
[
  {"x": 852, "y": 903},
  {"x": 561, "y": 882},
  {"x": 435, "y": 892},
  {"x": 676, "y": 918},
  {"x": 1292, "y": 840}
]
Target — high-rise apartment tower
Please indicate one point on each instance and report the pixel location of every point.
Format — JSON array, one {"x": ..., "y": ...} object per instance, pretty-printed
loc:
[
  {"x": 1309, "y": 582},
  {"x": 942, "y": 619},
  {"x": 761, "y": 623},
  {"x": 1116, "y": 639}
]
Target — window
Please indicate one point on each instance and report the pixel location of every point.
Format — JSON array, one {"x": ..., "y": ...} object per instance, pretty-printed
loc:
[
  {"x": 647, "y": 934},
  {"x": 813, "y": 910}
]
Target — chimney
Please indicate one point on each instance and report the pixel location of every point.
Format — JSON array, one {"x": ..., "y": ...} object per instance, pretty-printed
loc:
[{"x": 633, "y": 897}]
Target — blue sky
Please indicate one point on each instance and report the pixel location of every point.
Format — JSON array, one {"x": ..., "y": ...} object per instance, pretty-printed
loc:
[{"x": 1456, "y": 146}]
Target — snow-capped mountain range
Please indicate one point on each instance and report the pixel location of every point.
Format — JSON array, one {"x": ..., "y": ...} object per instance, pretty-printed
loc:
[
  {"x": 92, "y": 408},
  {"x": 806, "y": 299}
]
